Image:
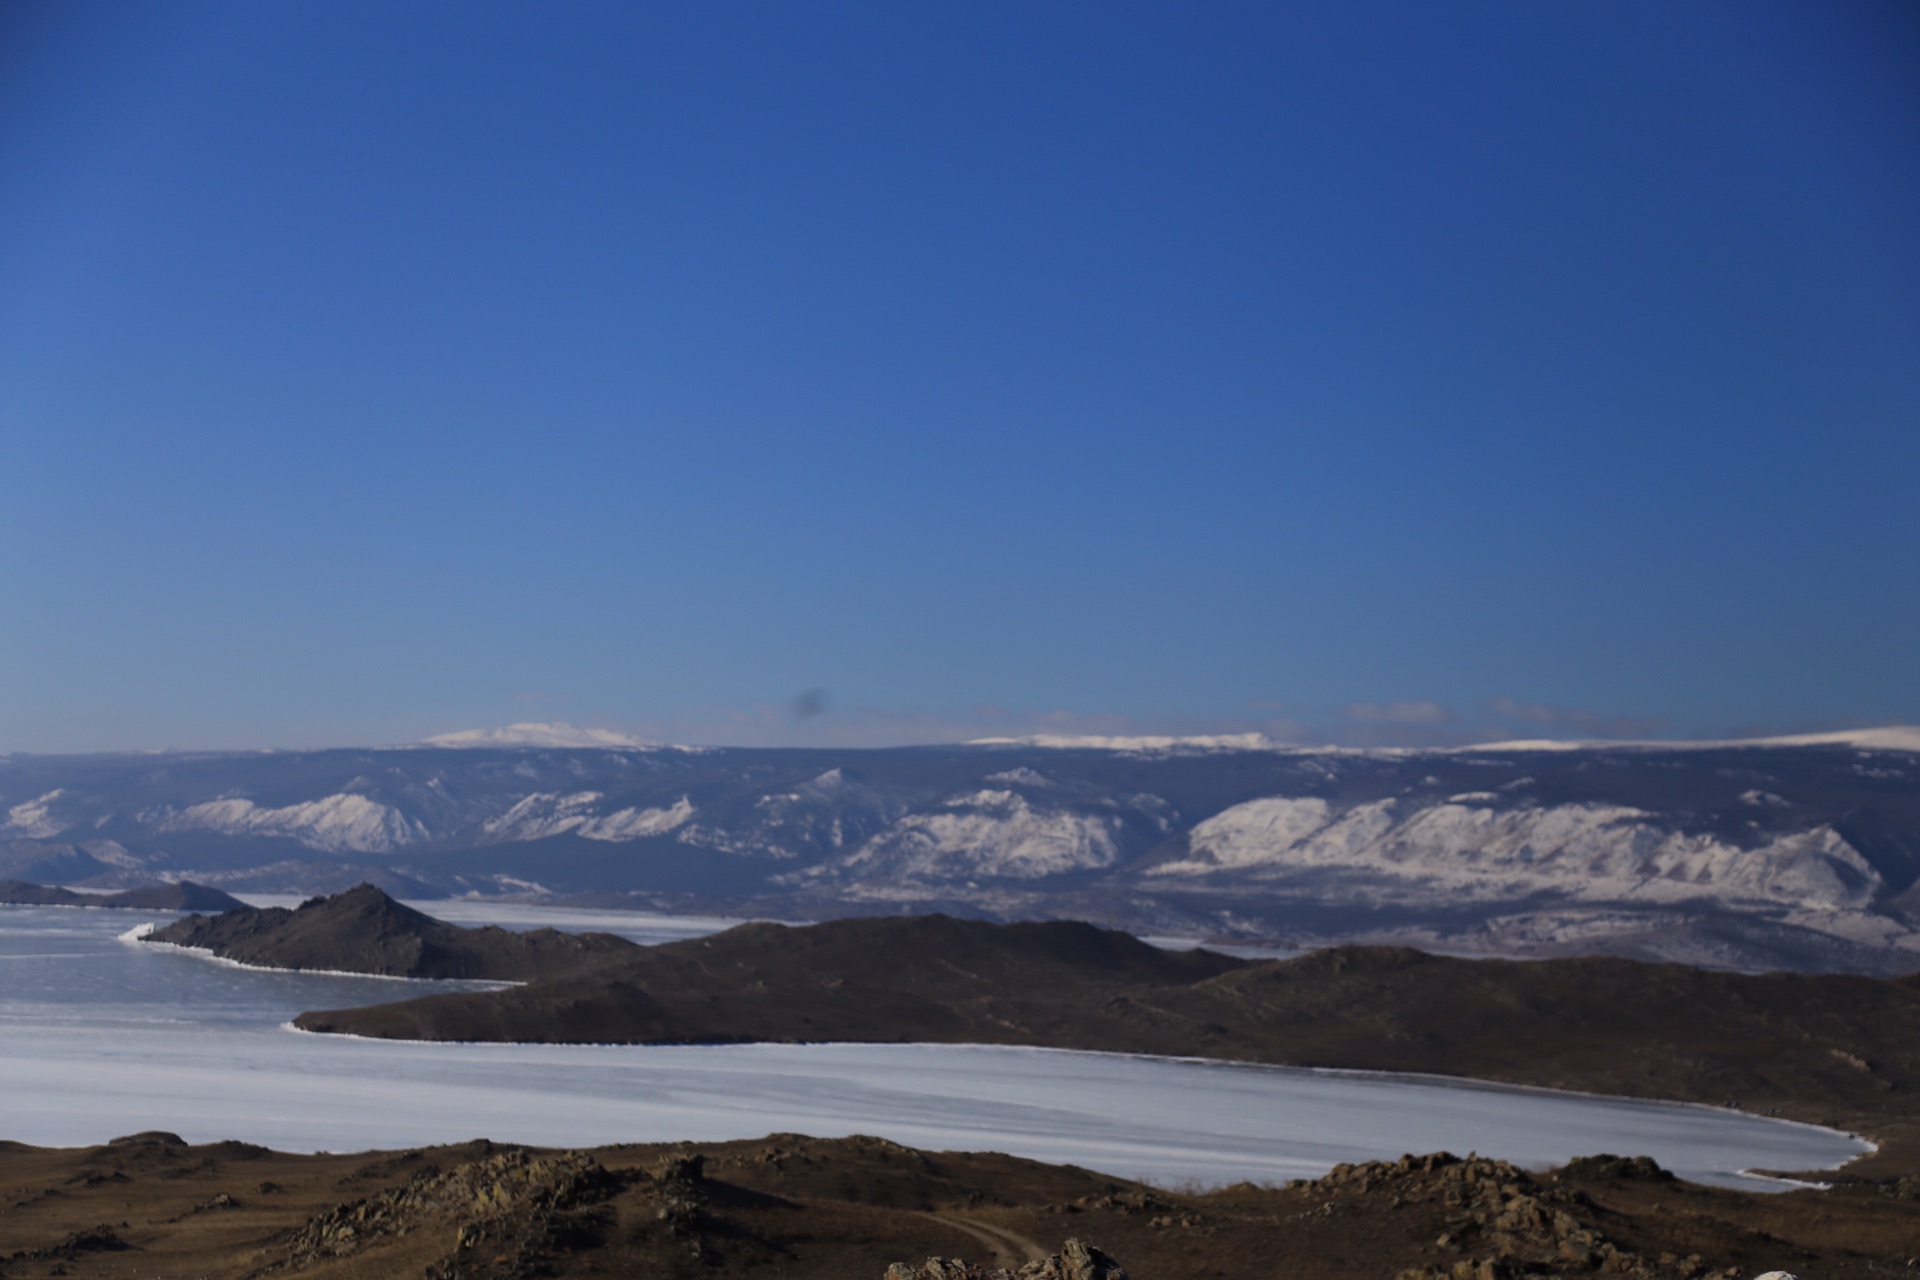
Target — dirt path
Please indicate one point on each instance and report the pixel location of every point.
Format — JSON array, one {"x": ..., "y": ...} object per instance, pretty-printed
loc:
[{"x": 1009, "y": 1248}]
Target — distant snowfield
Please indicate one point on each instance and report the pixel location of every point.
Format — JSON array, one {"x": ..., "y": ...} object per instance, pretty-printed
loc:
[
  {"x": 542, "y": 734},
  {"x": 567, "y": 736},
  {"x": 100, "y": 1037},
  {"x": 1899, "y": 737}
]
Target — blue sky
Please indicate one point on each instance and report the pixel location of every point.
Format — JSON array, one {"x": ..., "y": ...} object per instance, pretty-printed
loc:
[{"x": 1372, "y": 372}]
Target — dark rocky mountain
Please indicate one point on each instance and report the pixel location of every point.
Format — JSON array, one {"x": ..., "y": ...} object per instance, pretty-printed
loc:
[
  {"x": 365, "y": 931},
  {"x": 1796, "y": 854},
  {"x": 182, "y": 895}
]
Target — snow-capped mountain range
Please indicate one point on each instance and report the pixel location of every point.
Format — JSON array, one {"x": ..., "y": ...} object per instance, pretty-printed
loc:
[{"x": 1800, "y": 853}]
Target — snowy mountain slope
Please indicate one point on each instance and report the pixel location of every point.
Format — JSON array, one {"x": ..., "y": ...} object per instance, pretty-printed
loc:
[
  {"x": 1024, "y": 825},
  {"x": 544, "y": 814},
  {"x": 1475, "y": 851},
  {"x": 1800, "y": 853},
  {"x": 817, "y": 817},
  {"x": 988, "y": 833},
  {"x": 33, "y": 819},
  {"x": 333, "y": 824}
]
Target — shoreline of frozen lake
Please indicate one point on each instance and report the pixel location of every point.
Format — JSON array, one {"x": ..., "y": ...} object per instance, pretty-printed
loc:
[{"x": 100, "y": 1038}]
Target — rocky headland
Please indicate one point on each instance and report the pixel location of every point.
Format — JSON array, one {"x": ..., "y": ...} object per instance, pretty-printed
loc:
[
  {"x": 181, "y": 896},
  {"x": 365, "y": 931}
]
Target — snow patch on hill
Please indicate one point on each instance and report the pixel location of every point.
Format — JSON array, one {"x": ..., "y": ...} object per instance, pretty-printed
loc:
[
  {"x": 534, "y": 734},
  {"x": 1894, "y": 737},
  {"x": 637, "y": 824},
  {"x": 545, "y": 813},
  {"x": 336, "y": 823},
  {"x": 113, "y": 854},
  {"x": 1474, "y": 852},
  {"x": 991, "y": 833},
  {"x": 823, "y": 815},
  {"x": 33, "y": 819},
  {"x": 1148, "y": 742}
]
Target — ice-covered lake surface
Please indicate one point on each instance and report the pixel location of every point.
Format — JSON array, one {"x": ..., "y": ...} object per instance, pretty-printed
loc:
[{"x": 100, "y": 1037}]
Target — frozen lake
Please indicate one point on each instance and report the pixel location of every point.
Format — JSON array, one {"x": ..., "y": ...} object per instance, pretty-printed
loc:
[{"x": 99, "y": 1037}]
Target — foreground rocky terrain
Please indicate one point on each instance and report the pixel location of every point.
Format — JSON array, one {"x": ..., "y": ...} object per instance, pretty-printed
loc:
[
  {"x": 1795, "y": 854},
  {"x": 801, "y": 1208}
]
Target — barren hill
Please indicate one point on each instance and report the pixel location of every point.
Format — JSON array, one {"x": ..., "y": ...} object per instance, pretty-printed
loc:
[{"x": 365, "y": 931}]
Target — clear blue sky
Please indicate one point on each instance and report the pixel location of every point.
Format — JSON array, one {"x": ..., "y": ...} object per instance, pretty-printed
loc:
[{"x": 1395, "y": 370}]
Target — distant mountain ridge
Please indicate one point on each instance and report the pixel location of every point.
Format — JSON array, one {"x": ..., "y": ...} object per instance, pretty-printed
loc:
[{"x": 1794, "y": 853}]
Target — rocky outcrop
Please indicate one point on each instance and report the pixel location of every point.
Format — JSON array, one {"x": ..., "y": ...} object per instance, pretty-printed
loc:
[
  {"x": 149, "y": 1138},
  {"x": 509, "y": 1197},
  {"x": 100, "y": 1239},
  {"x": 1075, "y": 1261},
  {"x": 1502, "y": 1223}
]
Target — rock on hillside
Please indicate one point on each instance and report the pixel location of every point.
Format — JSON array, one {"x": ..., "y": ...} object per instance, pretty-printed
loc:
[
  {"x": 1503, "y": 1223},
  {"x": 1075, "y": 1261}
]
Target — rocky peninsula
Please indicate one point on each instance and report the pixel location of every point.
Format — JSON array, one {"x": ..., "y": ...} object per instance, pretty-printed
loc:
[
  {"x": 183, "y": 895},
  {"x": 365, "y": 931}
]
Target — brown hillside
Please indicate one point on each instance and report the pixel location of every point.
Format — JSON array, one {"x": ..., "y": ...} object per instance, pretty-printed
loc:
[{"x": 813, "y": 1209}]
